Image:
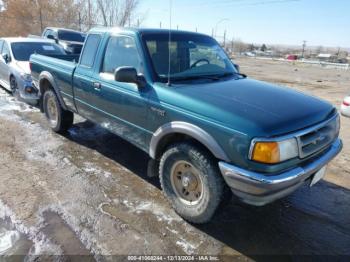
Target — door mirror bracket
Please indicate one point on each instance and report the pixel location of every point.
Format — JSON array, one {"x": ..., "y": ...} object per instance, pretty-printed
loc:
[
  {"x": 128, "y": 74},
  {"x": 6, "y": 58},
  {"x": 52, "y": 37}
]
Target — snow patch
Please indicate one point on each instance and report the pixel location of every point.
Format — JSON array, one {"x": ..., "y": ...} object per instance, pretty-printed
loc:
[
  {"x": 42, "y": 245},
  {"x": 92, "y": 169},
  {"x": 8, "y": 239},
  {"x": 187, "y": 247},
  {"x": 10, "y": 104},
  {"x": 160, "y": 212}
]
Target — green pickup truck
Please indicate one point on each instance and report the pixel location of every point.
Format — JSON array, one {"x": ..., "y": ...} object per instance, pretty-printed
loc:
[{"x": 177, "y": 96}]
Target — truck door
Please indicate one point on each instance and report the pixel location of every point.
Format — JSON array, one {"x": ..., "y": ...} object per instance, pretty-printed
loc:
[
  {"x": 122, "y": 107},
  {"x": 83, "y": 88}
]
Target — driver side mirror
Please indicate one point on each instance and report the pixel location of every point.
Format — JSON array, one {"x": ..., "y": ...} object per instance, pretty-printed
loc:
[
  {"x": 52, "y": 38},
  {"x": 237, "y": 67},
  {"x": 127, "y": 74},
  {"x": 6, "y": 58}
]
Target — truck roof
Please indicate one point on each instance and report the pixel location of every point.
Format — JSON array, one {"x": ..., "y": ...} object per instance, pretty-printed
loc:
[
  {"x": 26, "y": 40},
  {"x": 63, "y": 29},
  {"x": 138, "y": 30}
]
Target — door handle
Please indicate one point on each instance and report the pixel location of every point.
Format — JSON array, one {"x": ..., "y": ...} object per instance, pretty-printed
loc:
[{"x": 97, "y": 86}]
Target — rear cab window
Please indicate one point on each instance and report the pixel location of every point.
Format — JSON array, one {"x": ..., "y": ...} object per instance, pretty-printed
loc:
[{"x": 90, "y": 49}]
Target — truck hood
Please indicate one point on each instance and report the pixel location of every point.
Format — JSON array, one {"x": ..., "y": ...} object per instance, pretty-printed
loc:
[
  {"x": 252, "y": 107},
  {"x": 23, "y": 66}
]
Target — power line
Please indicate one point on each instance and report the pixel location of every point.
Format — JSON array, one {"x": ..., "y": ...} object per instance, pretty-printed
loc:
[{"x": 241, "y": 3}]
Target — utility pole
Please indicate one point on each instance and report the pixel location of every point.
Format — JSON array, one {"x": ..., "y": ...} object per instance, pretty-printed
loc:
[
  {"x": 138, "y": 22},
  {"x": 212, "y": 32},
  {"x": 225, "y": 39},
  {"x": 89, "y": 14},
  {"x": 41, "y": 20},
  {"x": 232, "y": 44},
  {"x": 160, "y": 25},
  {"x": 338, "y": 53},
  {"x": 304, "y": 46},
  {"x": 79, "y": 22}
]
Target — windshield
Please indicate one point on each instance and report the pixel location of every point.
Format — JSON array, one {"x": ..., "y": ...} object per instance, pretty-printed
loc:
[
  {"x": 23, "y": 51},
  {"x": 71, "y": 36},
  {"x": 191, "y": 56}
]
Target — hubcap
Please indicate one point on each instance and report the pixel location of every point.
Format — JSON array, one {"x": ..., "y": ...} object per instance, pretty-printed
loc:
[
  {"x": 52, "y": 113},
  {"x": 186, "y": 182}
]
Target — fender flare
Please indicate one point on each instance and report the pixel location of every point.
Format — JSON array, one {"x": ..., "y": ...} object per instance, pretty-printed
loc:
[
  {"x": 48, "y": 76},
  {"x": 190, "y": 130}
]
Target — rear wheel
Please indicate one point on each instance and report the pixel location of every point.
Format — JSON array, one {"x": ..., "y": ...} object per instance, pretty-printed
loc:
[
  {"x": 59, "y": 119},
  {"x": 191, "y": 181}
]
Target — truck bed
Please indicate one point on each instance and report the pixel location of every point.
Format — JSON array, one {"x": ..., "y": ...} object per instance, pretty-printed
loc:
[{"x": 61, "y": 68}]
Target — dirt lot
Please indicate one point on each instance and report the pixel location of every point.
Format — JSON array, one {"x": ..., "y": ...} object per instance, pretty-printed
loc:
[{"x": 90, "y": 192}]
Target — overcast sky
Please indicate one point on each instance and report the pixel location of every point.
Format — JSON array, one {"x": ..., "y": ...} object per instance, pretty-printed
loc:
[{"x": 320, "y": 22}]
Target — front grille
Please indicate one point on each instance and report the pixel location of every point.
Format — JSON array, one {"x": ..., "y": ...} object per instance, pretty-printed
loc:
[{"x": 318, "y": 138}]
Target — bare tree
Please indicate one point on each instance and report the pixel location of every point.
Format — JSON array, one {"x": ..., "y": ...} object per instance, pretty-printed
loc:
[
  {"x": 117, "y": 12},
  {"x": 24, "y": 17},
  {"x": 239, "y": 46},
  {"x": 16, "y": 19}
]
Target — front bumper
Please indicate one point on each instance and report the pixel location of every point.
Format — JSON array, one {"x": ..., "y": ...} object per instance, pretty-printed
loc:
[
  {"x": 28, "y": 92},
  {"x": 259, "y": 189}
]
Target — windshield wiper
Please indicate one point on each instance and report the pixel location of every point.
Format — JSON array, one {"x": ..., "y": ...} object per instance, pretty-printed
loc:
[
  {"x": 195, "y": 77},
  {"x": 216, "y": 77},
  {"x": 231, "y": 74}
]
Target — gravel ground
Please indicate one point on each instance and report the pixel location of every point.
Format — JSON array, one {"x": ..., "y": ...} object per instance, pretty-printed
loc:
[{"x": 91, "y": 194}]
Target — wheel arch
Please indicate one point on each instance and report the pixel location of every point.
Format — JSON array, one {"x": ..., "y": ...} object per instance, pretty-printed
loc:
[
  {"x": 47, "y": 81},
  {"x": 178, "y": 131}
]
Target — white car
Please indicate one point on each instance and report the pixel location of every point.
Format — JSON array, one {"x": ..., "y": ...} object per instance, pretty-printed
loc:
[
  {"x": 14, "y": 64},
  {"x": 345, "y": 107}
]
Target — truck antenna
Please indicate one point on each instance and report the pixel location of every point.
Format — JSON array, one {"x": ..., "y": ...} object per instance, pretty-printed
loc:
[{"x": 170, "y": 20}]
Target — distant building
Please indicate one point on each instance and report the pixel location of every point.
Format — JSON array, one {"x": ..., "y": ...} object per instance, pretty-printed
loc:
[{"x": 327, "y": 57}]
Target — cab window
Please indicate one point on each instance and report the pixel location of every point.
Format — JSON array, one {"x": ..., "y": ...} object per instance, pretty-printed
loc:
[{"x": 121, "y": 51}]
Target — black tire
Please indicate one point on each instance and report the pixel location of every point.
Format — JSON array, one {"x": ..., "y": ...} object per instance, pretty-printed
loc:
[
  {"x": 59, "y": 119},
  {"x": 205, "y": 167},
  {"x": 13, "y": 86}
]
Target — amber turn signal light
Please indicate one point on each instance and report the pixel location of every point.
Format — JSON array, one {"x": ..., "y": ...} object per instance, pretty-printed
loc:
[{"x": 266, "y": 152}]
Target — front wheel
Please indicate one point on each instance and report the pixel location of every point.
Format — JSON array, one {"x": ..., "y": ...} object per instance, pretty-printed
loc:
[
  {"x": 13, "y": 86},
  {"x": 191, "y": 181},
  {"x": 59, "y": 119}
]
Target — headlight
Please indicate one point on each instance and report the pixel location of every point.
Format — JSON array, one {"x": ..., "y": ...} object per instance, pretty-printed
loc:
[
  {"x": 26, "y": 77},
  {"x": 274, "y": 152}
]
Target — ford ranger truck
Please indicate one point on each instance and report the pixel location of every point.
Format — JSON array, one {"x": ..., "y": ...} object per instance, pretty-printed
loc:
[{"x": 178, "y": 97}]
